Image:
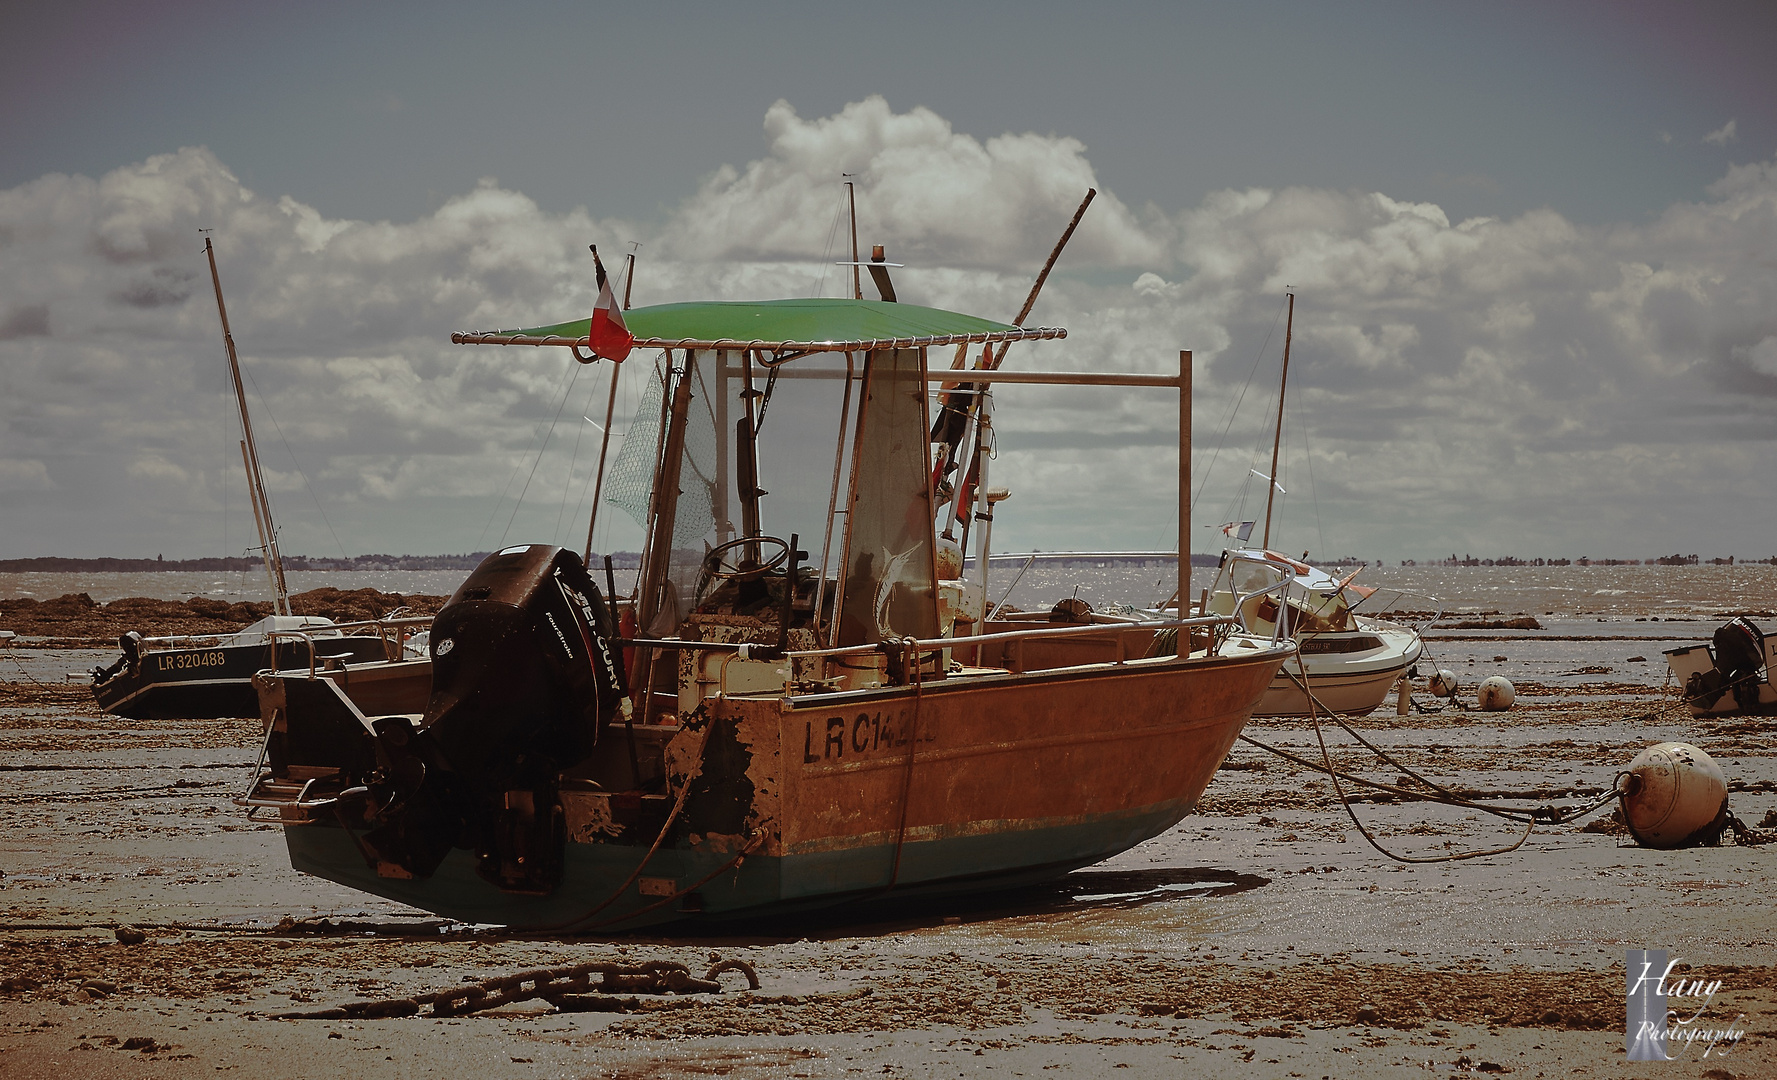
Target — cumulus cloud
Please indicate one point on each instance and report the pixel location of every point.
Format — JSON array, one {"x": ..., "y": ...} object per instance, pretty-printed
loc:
[
  {"x": 1723, "y": 135},
  {"x": 936, "y": 195},
  {"x": 1526, "y": 385}
]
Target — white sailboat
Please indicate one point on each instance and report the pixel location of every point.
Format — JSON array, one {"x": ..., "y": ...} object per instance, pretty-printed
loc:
[
  {"x": 1349, "y": 662},
  {"x": 205, "y": 676}
]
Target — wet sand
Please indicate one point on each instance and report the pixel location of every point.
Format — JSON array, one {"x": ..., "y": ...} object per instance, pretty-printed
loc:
[{"x": 1261, "y": 937}]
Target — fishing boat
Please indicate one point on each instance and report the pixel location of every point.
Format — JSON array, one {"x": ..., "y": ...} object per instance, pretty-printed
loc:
[
  {"x": 752, "y": 731},
  {"x": 1348, "y": 662},
  {"x": 207, "y": 676}
]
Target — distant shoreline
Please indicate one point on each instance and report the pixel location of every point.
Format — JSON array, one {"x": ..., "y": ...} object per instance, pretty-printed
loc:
[
  {"x": 52, "y": 564},
  {"x": 292, "y": 563}
]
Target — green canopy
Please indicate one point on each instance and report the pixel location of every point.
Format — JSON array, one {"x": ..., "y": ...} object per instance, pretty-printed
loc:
[{"x": 779, "y": 326}]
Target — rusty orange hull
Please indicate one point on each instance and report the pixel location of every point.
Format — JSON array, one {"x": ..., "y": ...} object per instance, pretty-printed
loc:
[{"x": 964, "y": 784}]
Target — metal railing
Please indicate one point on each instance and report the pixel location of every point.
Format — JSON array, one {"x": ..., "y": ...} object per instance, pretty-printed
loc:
[
  {"x": 382, "y": 627},
  {"x": 919, "y": 647},
  {"x": 1396, "y": 595}
]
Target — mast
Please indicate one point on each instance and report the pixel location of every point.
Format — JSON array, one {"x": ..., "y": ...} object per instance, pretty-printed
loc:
[
  {"x": 598, "y": 488},
  {"x": 857, "y": 282},
  {"x": 268, "y": 533},
  {"x": 1184, "y": 496},
  {"x": 1277, "y": 440}
]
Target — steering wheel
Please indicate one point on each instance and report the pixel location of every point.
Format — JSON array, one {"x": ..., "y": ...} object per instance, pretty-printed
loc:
[{"x": 717, "y": 568}]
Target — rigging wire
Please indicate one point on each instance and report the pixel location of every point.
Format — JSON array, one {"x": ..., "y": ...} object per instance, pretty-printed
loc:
[
  {"x": 269, "y": 415},
  {"x": 1228, "y": 415},
  {"x": 827, "y": 252},
  {"x": 1234, "y": 407},
  {"x": 494, "y": 511},
  {"x": 221, "y": 476},
  {"x": 574, "y": 460},
  {"x": 1320, "y": 530},
  {"x": 573, "y": 376},
  {"x": 580, "y": 504}
]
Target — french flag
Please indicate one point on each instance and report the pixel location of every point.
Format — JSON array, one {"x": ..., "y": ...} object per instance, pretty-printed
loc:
[{"x": 608, "y": 336}]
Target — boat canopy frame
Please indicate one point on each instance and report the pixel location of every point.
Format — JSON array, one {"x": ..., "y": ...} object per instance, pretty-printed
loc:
[{"x": 779, "y": 330}]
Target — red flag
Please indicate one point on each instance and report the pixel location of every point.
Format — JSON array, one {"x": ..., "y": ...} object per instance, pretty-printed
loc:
[{"x": 609, "y": 337}]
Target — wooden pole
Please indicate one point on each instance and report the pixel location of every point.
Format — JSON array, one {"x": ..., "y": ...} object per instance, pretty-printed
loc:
[
  {"x": 598, "y": 485},
  {"x": 1277, "y": 440},
  {"x": 1037, "y": 287},
  {"x": 990, "y": 360},
  {"x": 652, "y": 599}
]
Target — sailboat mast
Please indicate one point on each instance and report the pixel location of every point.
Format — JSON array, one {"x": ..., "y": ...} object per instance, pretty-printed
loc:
[
  {"x": 857, "y": 283},
  {"x": 258, "y": 520},
  {"x": 274, "y": 562},
  {"x": 1277, "y": 440}
]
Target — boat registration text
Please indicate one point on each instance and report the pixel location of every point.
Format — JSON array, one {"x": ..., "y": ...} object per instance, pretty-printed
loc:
[
  {"x": 180, "y": 660},
  {"x": 836, "y": 737}
]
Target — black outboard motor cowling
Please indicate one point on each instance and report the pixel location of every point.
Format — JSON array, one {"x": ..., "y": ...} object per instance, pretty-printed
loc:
[
  {"x": 522, "y": 680},
  {"x": 520, "y": 665},
  {"x": 1739, "y": 654}
]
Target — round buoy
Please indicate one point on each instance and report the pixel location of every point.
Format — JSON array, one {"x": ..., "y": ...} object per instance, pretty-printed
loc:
[
  {"x": 1443, "y": 684},
  {"x": 1496, "y": 693},
  {"x": 949, "y": 558},
  {"x": 1673, "y": 791}
]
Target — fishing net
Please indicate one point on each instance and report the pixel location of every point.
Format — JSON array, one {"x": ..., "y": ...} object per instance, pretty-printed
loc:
[{"x": 630, "y": 483}]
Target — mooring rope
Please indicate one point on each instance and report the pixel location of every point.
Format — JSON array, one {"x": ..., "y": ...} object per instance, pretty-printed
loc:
[
  {"x": 1442, "y": 795},
  {"x": 678, "y": 805}
]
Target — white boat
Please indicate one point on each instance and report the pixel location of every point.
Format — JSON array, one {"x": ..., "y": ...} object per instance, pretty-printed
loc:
[
  {"x": 1350, "y": 661},
  {"x": 1730, "y": 674}
]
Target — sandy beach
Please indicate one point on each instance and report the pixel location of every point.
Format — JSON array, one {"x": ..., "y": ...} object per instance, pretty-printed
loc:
[{"x": 1261, "y": 937}]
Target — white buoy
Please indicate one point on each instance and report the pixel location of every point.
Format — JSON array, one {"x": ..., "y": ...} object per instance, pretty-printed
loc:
[
  {"x": 949, "y": 559},
  {"x": 1443, "y": 684},
  {"x": 1496, "y": 693},
  {"x": 1673, "y": 790}
]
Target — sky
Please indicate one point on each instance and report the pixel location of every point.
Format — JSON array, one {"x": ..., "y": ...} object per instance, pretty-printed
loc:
[{"x": 1533, "y": 245}]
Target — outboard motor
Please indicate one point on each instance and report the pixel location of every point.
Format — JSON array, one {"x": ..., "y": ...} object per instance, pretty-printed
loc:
[
  {"x": 1739, "y": 652},
  {"x": 131, "y": 644},
  {"x": 522, "y": 680}
]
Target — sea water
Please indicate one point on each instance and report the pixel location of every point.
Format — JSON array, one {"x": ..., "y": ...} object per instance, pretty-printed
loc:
[{"x": 1563, "y": 592}]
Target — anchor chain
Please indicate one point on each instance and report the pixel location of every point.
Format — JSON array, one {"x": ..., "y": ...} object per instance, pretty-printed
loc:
[{"x": 550, "y": 984}]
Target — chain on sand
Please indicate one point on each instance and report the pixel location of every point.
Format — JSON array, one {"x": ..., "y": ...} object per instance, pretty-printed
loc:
[{"x": 568, "y": 988}]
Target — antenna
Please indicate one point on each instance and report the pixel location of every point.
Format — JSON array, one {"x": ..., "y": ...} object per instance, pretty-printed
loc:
[{"x": 629, "y": 274}]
